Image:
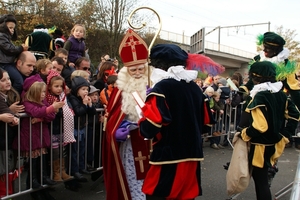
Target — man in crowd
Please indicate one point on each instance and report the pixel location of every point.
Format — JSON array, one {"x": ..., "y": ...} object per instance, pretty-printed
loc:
[
  {"x": 84, "y": 64},
  {"x": 25, "y": 65}
]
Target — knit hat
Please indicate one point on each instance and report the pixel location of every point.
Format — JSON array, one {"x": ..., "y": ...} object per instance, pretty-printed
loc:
[
  {"x": 133, "y": 49},
  {"x": 223, "y": 81},
  {"x": 77, "y": 83},
  {"x": 263, "y": 69},
  {"x": 8, "y": 18},
  {"x": 169, "y": 52},
  {"x": 93, "y": 89},
  {"x": 51, "y": 74},
  {"x": 29, "y": 81}
]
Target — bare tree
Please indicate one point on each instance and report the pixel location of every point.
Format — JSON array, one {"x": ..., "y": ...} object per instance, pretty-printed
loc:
[{"x": 291, "y": 44}]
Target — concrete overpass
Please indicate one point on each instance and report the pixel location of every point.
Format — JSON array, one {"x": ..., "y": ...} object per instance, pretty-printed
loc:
[{"x": 231, "y": 58}]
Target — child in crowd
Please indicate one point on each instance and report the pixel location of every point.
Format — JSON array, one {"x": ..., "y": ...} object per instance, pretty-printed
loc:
[
  {"x": 9, "y": 94},
  {"x": 35, "y": 128},
  {"x": 8, "y": 51},
  {"x": 58, "y": 64},
  {"x": 199, "y": 82},
  {"x": 7, "y": 111},
  {"x": 105, "y": 93},
  {"x": 218, "y": 111},
  {"x": 82, "y": 105},
  {"x": 67, "y": 70},
  {"x": 223, "y": 89},
  {"x": 81, "y": 73},
  {"x": 62, "y": 53},
  {"x": 208, "y": 93},
  {"x": 43, "y": 67},
  {"x": 62, "y": 130},
  {"x": 75, "y": 44},
  {"x": 93, "y": 131},
  {"x": 94, "y": 95}
]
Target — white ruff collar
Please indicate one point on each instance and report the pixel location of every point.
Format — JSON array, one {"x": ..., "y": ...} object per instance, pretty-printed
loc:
[
  {"x": 45, "y": 30},
  {"x": 284, "y": 54},
  {"x": 267, "y": 86},
  {"x": 176, "y": 72}
]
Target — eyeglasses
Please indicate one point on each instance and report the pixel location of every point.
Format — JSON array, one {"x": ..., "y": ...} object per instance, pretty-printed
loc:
[{"x": 85, "y": 68}]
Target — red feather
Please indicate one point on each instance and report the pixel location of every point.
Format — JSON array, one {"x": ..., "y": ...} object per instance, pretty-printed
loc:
[{"x": 203, "y": 64}]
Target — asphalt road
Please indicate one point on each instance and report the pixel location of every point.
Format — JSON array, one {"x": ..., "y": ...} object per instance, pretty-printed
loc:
[{"x": 213, "y": 179}]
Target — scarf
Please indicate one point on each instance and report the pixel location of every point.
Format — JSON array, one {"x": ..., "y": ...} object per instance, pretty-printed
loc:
[{"x": 68, "y": 117}]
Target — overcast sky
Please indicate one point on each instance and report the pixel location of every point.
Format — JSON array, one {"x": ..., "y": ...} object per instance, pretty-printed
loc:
[{"x": 189, "y": 16}]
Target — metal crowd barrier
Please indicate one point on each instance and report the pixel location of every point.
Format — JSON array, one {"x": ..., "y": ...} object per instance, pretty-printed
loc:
[
  {"x": 18, "y": 184},
  {"x": 225, "y": 123},
  {"x": 227, "y": 126}
]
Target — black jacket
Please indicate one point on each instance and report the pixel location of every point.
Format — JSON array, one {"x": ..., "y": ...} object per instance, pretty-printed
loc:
[{"x": 8, "y": 51}]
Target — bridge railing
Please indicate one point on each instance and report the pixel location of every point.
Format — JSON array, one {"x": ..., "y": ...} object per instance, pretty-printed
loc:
[
  {"x": 186, "y": 40},
  {"x": 228, "y": 49}
]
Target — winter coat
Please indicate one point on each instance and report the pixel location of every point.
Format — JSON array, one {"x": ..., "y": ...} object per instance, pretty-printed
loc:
[
  {"x": 8, "y": 51},
  {"x": 44, "y": 112},
  {"x": 225, "y": 93},
  {"x": 35, "y": 110},
  {"x": 80, "y": 109},
  {"x": 11, "y": 131}
]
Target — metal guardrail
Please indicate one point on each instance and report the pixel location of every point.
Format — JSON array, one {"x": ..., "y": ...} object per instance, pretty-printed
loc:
[
  {"x": 228, "y": 125},
  {"x": 18, "y": 187}
]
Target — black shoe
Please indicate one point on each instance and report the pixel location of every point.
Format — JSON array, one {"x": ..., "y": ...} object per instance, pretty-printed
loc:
[
  {"x": 84, "y": 171},
  {"x": 48, "y": 181},
  {"x": 90, "y": 168},
  {"x": 79, "y": 177},
  {"x": 36, "y": 184}
]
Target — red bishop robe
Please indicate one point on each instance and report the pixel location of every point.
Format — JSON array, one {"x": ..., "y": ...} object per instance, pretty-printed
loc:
[{"x": 114, "y": 175}]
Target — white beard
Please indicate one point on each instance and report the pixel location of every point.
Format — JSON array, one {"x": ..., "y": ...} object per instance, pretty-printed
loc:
[{"x": 128, "y": 84}]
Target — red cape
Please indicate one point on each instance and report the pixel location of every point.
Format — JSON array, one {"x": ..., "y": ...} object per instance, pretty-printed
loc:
[{"x": 114, "y": 176}]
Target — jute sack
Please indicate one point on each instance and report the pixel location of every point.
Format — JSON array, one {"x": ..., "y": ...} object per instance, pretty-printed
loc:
[{"x": 238, "y": 175}]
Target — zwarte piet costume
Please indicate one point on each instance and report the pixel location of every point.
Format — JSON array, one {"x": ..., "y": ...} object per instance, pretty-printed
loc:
[
  {"x": 273, "y": 119},
  {"x": 174, "y": 116}
]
